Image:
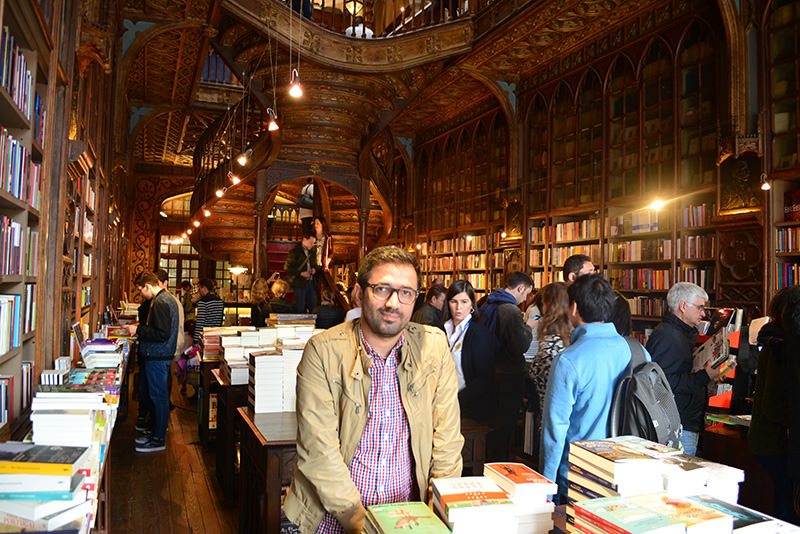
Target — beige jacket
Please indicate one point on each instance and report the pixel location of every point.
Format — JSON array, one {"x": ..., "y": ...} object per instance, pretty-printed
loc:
[{"x": 333, "y": 383}]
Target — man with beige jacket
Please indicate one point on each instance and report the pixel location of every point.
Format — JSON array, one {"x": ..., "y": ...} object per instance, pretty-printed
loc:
[{"x": 377, "y": 406}]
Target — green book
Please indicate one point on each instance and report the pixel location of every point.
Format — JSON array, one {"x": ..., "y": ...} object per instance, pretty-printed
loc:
[
  {"x": 621, "y": 516},
  {"x": 403, "y": 516}
]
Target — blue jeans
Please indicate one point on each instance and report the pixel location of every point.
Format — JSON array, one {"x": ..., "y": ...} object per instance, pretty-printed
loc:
[
  {"x": 305, "y": 298},
  {"x": 145, "y": 406},
  {"x": 157, "y": 372},
  {"x": 689, "y": 441}
]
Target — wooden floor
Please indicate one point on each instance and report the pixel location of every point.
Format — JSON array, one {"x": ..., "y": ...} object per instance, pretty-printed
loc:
[{"x": 174, "y": 491}]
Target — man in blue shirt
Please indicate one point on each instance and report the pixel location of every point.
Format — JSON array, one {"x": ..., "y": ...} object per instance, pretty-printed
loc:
[{"x": 582, "y": 378}]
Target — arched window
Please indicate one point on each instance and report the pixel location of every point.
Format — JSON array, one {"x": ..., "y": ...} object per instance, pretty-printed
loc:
[
  {"x": 562, "y": 188},
  {"x": 538, "y": 137},
  {"x": 697, "y": 107},
  {"x": 658, "y": 122},
  {"x": 623, "y": 109},
  {"x": 590, "y": 139},
  {"x": 784, "y": 54}
]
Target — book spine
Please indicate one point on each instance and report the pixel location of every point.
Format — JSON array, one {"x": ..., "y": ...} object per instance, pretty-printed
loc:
[
  {"x": 598, "y": 521},
  {"x": 34, "y": 468}
]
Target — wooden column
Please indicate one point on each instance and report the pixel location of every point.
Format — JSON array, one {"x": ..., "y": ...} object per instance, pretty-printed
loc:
[
  {"x": 363, "y": 219},
  {"x": 259, "y": 258}
]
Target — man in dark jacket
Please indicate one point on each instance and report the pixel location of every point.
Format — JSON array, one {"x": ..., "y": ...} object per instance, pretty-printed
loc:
[
  {"x": 157, "y": 338},
  {"x": 671, "y": 345},
  {"x": 501, "y": 315},
  {"x": 431, "y": 312},
  {"x": 300, "y": 266}
]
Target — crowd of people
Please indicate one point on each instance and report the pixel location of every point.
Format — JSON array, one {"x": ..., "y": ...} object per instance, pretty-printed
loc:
[{"x": 380, "y": 398}]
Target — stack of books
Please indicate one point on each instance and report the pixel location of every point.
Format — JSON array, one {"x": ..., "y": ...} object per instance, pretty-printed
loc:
[
  {"x": 43, "y": 487},
  {"x": 210, "y": 339},
  {"x": 530, "y": 492},
  {"x": 265, "y": 384},
  {"x": 629, "y": 466},
  {"x": 232, "y": 363},
  {"x": 474, "y": 505},
  {"x": 402, "y": 516}
]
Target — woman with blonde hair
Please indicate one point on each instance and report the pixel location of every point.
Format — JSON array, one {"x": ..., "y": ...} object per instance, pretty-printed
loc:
[
  {"x": 554, "y": 332},
  {"x": 259, "y": 303}
]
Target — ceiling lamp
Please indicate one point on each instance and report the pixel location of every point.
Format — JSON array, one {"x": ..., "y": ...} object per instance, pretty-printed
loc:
[
  {"x": 765, "y": 185},
  {"x": 220, "y": 192},
  {"x": 234, "y": 179},
  {"x": 295, "y": 90},
  {"x": 206, "y": 211},
  {"x": 184, "y": 235},
  {"x": 244, "y": 156},
  {"x": 163, "y": 213},
  {"x": 236, "y": 271},
  {"x": 273, "y": 120},
  {"x": 196, "y": 223},
  {"x": 189, "y": 231}
]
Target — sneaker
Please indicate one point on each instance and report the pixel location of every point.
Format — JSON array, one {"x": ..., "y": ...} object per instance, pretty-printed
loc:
[
  {"x": 153, "y": 445},
  {"x": 144, "y": 438},
  {"x": 142, "y": 424}
]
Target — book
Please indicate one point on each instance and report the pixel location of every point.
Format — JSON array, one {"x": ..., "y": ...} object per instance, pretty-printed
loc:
[
  {"x": 402, "y": 516},
  {"x": 31, "y": 489},
  {"x": 469, "y": 498},
  {"x": 745, "y": 520},
  {"x": 27, "y": 458},
  {"x": 21, "y": 482},
  {"x": 33, "y": 510},
  {"x": 622, "y": 463},
  {"x": 520, "y": 481},
  {"x": 618, "y": 515},
  {"x": 50, "y": 522},
  {"x": 697, "y": 516}
]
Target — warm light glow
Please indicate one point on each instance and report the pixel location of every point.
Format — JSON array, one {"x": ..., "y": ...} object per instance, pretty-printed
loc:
[
  {"x": 469, "y": 238},
  {"x": 295, "y": 91},
  {"x": 189, "y": 231},
  {"x": 765, "y": 185},
  {"x": 196, "y": 223},
  {"x": 237, "y": 270},
  {"x": 219, "y": 193},
  {"x": 244, "y": 156},
  {"x": 273, "y": 120},
  {"x": 503, "y": 235},
  {"x": 184, "y": 235},
  {"x": 419, "y": 247},
  {"x": 206, "y": 212},
  {"x": 163, "y": 214},
  {"x": 657, "y": 204},
  {"x": 234, "y": 179}
]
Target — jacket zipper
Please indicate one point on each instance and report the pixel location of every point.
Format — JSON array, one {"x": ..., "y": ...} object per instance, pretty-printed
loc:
[
  {"x": 348, "y": 397},
  {"x": 411, "y": 387}
]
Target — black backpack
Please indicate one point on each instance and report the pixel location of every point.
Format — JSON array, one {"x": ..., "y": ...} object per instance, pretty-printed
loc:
[{"x": 643, "y": 403}]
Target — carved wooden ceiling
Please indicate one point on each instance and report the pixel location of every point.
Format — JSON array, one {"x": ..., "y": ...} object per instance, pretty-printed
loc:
[{"x": 412, "y": 84}]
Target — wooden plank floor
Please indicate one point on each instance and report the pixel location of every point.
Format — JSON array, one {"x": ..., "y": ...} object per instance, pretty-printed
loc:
[{"x": 174, "y": 491}]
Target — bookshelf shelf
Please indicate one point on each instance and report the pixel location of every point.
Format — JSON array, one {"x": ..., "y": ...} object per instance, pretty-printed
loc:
[
  {"x": 639, "y": 263},
  {"x": 11, "y": 279},
  {"x": 12, "y": 116},
  {"x": 787, "y": 254},
  {"x": 787, "y": 224},
  {"x": 639, "y": 236},
  {"x": 695, "y": 229},
  {"x": 649, "y": 318},
  {"x": 10, "y": 355}
]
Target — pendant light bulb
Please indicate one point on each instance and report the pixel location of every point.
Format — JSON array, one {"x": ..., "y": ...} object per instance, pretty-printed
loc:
[
  {"x": 244, "y": 156},
  {"x": 219, "y": 193},
  {"x": 765, "y": 185},
  {"x": 273, "y": 120},
  {"x": 295, "y": 91},
  {"x": 234, "y": 178},
  {"x": 206, "y": 212}
]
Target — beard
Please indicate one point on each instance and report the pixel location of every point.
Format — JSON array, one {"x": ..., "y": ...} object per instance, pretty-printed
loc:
[{"x": 384, "y": 321}]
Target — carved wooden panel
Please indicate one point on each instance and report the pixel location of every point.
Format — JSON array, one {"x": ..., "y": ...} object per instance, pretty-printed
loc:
[{"x": 741, "y": 273}]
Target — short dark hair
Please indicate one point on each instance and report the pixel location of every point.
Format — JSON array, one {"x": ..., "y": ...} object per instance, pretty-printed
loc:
[
  {"x": 434, "y": 291},
  {"x": 308, "y": 233},
  {"x": 382, "y": 255},
  {"x": 457, "y": 287},
  {"x": 186, "y": 284},
  {"x": 594, "y": 297},
  {"x": 207, "y": 283},
  {"x": 519, "y": 278},
  {"x": 574, "y": 264},
  {"x": 161, "y": 274},
  {"x": 621, "y": 316},
  {"x": 189, "y": 326},
  {"x": 145, "y": 278}
]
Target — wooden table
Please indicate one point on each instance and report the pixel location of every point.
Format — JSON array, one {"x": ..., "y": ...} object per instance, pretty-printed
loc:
[
  {"x": 230, "y": 398},
  {"x": 208, "y": 385},
  {"x": 268, "y": 451}
]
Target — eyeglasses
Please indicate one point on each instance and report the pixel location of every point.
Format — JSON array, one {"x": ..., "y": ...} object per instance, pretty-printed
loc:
[
  {"x": 383, "y": 292},
  {"x": 700, "y": 307}
]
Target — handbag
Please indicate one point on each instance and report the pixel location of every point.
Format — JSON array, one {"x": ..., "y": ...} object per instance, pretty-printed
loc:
[{"x": 305, "y": 200}]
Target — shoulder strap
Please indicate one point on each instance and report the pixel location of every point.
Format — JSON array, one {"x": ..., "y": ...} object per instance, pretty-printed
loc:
[{"x": 637, "y": 353}]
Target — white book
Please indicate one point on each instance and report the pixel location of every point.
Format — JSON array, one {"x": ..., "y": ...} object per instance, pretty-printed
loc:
[
  {"x": 38, "y": 509},
  {"x": 267, "y": 336}
]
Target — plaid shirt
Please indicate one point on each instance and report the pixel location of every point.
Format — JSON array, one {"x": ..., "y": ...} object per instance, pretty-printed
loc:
[{"x": 382, "y": 464}]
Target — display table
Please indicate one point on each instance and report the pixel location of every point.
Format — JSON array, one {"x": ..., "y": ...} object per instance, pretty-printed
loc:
[
  {"x": 267, "y": 454},
  {"x": 230, "y": 397},
  {"x": 207, "y": 424}
]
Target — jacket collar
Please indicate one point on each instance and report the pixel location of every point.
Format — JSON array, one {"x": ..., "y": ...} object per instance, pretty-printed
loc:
[
  {"x": 409, "y": 352},
  {"x": 685, "y": 329},
  {"x": 501, "y": 295}
]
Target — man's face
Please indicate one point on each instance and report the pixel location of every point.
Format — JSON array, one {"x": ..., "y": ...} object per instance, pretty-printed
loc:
[
  {"x": 203, "y": 290},
  {"x": 145, "y": 291},
  {"x": 438, "y": 302},
  {"x": 588, "y": 268},
  {"x": 521, "y": 293},
  {"x": 695, "y": 312},
  {"x": 387, "y": 318},
  {"x": 308, "y": 243}
]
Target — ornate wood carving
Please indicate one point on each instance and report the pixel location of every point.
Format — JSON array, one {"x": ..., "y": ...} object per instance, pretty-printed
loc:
[
  {"x": 740, "y": 183},
  {"x": 741, "y": 273}
]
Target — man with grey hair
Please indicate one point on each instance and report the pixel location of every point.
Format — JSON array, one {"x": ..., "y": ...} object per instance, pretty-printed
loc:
[{"x": 671, "y": 345}]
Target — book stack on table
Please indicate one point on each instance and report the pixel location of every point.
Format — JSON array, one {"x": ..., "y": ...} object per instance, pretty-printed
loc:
[
  {"x": 628, "y": 466},
  {"x": 43, "y": 487},
  {"x": 402, "y": 516},
  {"x": 530, "y": 492}
]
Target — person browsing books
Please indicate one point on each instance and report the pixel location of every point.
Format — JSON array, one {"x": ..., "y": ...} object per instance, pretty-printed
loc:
[
  {"x": 377, "y": 406},
  {"x": 300, "y": 266},
  {"x": 582, "y": 378},
  {"x": 671, "y": 345},
  {"x": 158, "y": 338}
]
